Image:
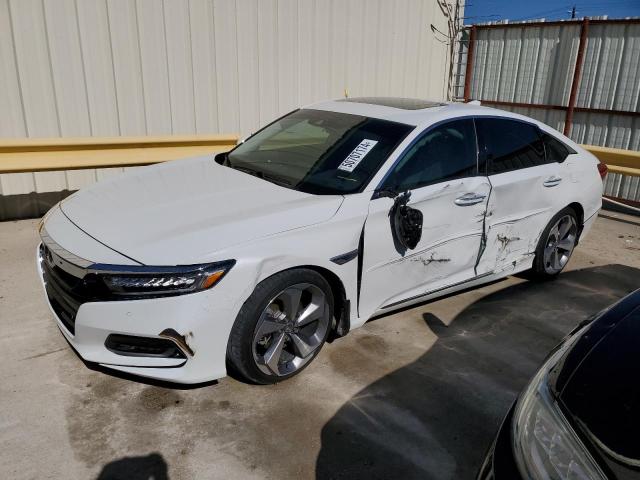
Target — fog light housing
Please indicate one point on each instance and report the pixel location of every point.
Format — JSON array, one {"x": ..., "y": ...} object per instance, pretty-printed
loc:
[{"x": 135, "y": 346}]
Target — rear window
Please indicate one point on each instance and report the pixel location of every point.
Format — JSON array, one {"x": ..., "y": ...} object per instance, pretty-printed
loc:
[{"x": 510, "y": 145}]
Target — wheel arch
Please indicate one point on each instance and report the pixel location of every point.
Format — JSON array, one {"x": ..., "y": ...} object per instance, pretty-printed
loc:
[
  {"x": 579, "y": 209},
  {"x": 341, "y": 305}
]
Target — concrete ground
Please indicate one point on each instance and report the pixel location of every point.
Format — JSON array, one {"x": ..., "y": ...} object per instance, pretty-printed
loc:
[{"x": 416, "y": 394}]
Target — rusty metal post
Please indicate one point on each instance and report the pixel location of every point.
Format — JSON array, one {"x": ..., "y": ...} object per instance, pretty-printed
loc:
[
  {"x": 469, "y": 69},
  {"x": 577, "y": 73}
]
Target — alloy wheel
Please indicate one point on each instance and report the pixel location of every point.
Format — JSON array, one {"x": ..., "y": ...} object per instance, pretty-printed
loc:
[
  {"x": 290, "y": 329},
  {"x": 560, "y": 244}
]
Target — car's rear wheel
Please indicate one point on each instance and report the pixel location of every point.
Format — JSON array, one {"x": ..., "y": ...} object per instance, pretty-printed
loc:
[
  {"x": 281, "y": 327},
  {"x": 556, "y": 244}
]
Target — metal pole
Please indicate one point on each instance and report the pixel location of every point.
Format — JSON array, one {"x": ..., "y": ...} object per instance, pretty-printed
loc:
[
  {"x": 469, "y": 69},
  {"x": 577, "y": 73}
]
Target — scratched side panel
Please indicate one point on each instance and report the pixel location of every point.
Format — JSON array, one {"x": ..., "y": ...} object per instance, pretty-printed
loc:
[{"x": 446, "y": 253}]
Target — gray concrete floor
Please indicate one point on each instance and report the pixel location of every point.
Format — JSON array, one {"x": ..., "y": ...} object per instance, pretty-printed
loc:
[{"x": 416, "y": 394}]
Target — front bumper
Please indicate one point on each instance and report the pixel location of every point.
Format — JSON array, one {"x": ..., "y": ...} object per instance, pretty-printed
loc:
[{"x": 201, "y": 323}]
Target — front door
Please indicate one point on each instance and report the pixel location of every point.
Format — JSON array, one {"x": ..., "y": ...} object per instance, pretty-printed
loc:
[{"x": 439, "y": 175}]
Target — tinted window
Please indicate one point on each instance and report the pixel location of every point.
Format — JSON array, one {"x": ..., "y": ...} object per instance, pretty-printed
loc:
[
  {"x": 443, "y": 153},
  {"x": 319, "y": 152},
  {"x": 555, "y": 150},
  {"x": 510, "y": 145}
]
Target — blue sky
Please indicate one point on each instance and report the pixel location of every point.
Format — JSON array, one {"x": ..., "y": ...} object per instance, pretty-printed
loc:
[{"x": 478, "y": 11}]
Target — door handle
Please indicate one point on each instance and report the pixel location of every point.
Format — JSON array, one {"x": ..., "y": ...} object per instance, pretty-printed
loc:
[
  {"x": 469, "y": 199},
  {"x": 552, "y": 181}
]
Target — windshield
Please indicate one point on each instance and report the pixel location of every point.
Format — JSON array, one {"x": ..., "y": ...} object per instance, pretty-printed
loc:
[{"x": 319, "y": 152}]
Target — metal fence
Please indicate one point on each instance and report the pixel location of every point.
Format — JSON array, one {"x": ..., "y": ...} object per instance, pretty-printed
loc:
[{"x": 580, "y": 77}]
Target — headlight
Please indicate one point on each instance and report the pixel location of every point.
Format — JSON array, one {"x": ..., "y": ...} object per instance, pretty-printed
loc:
[
  {"x": 160, "y": 281},
  {"x": 544, "y": 444}
]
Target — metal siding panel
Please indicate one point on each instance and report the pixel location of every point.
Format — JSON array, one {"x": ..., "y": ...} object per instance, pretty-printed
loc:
[
  {"x": 628, "y": 87},
  {"x": 67, "y": 68},
  {"x": 321, "y": 66},
  {"x": 338, "y": 28},
  {"x": 267, "y": 60},
  {"x": 248, "y": 73},
  {"x": 306, "y": 58},
  {"x": 95, "y": 46},
  {"x": 226, "y": 65},
  {"x": 370, "y": 51},
  {"x": 397, "y": 44},
  {"x": 287, "y": 53},
  {"x": 493, "y": 69},
  {"x": 153, "y": 62},
  {"x": 38, "y": 92},
  {"x": 34, "y": 67},
  {"x": 127, "y": 69},
  {"x": 12, "y": 122},
  {"x": 507, "y": 84},
  {"x": 412, "y": 37},
  {"x": 179, "y": 63},
  {"x": 203, "y": 46},
  {"x": 69, "y": 80}
]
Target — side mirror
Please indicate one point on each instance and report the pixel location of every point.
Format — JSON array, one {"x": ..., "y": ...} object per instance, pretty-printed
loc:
[
  {"x": 221, "y": 158},
  {"x": 406, "y": 222}
]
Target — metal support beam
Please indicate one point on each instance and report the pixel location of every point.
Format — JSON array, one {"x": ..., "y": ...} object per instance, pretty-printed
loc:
[
  {"x": 577, "y": 73},
  {"x": 469, "y": 69}
]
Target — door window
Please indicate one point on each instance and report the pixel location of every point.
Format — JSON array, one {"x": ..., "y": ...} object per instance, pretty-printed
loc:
[
  {"x": 510, "y": 144},
  {"x": 443, "y": 153},
  {"x": 555, "y": 150}
]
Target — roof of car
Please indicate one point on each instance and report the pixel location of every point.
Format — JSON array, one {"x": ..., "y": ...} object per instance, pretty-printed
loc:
[{"x": 407, "y": 110}]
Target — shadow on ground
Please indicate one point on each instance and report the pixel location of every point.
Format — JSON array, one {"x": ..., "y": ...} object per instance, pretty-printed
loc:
[
  {"x": 149, "y": 467},
  {"x": 436, "y": 417}
]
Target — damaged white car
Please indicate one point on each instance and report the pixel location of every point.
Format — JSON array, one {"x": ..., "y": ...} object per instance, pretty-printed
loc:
[{"x": 335, "y": 213}]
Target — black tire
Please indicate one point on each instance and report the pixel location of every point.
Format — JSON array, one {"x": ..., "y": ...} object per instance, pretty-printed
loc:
[
  {"x": 539, "y": 270},
  {"x": 241, "y": 363}
]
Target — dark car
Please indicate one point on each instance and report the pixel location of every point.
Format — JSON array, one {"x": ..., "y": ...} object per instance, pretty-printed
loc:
[{"x": 579, "y": 417}]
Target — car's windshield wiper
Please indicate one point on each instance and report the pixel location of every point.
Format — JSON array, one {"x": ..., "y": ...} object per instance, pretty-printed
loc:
[
  {"x": 277, "y": 180},
  {"x": 264, "y": 176}
]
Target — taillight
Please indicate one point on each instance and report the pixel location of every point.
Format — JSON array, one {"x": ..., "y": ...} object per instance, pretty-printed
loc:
[{"x": 602, "y": 170}]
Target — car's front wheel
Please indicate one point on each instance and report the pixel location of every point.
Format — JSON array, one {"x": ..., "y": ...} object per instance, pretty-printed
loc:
[
  {"x": 281, "y": 327},
  {"x": 556, "y": 244}
]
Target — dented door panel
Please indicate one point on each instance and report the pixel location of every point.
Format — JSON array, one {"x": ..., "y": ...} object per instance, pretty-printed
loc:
[
  {"x": 446, "y": 252},
  {"x": 519, "y": 208}
]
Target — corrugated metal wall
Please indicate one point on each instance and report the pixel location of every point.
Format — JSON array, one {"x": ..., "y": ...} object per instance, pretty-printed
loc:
[
  {"x": 535, "y": 64},
  {"x": 150, "y": 67}
]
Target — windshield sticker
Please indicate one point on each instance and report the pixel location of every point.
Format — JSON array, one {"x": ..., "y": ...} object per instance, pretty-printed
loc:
[{"x": 356, "y": 156}]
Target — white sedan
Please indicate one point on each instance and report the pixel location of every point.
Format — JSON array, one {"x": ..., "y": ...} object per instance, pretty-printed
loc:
[{"x": 337, "y": 212}]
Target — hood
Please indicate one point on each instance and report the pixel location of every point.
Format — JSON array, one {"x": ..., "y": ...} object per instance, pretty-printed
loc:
[
  {"x": 599, "y": 390},
  {"x": 183, "y": 212}
]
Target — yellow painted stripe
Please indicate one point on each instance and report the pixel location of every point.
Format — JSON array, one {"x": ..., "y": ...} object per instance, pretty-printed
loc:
[{"x": 51, "y": 154}]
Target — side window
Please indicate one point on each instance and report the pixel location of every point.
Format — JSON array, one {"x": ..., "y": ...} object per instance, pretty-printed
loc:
[
  {"x": 442, "y": 153},
  {"x": 555, "y": 150},
  {"x": 510, "y": 145}
]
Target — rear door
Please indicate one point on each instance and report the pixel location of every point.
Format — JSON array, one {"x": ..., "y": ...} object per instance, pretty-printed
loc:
[
  {"x": 439, "y": 174},
  {"x": 526, "y": 191}
]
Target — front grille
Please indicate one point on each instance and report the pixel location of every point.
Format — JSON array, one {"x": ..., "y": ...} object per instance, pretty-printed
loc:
[{"x": 65, "y": 291}]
